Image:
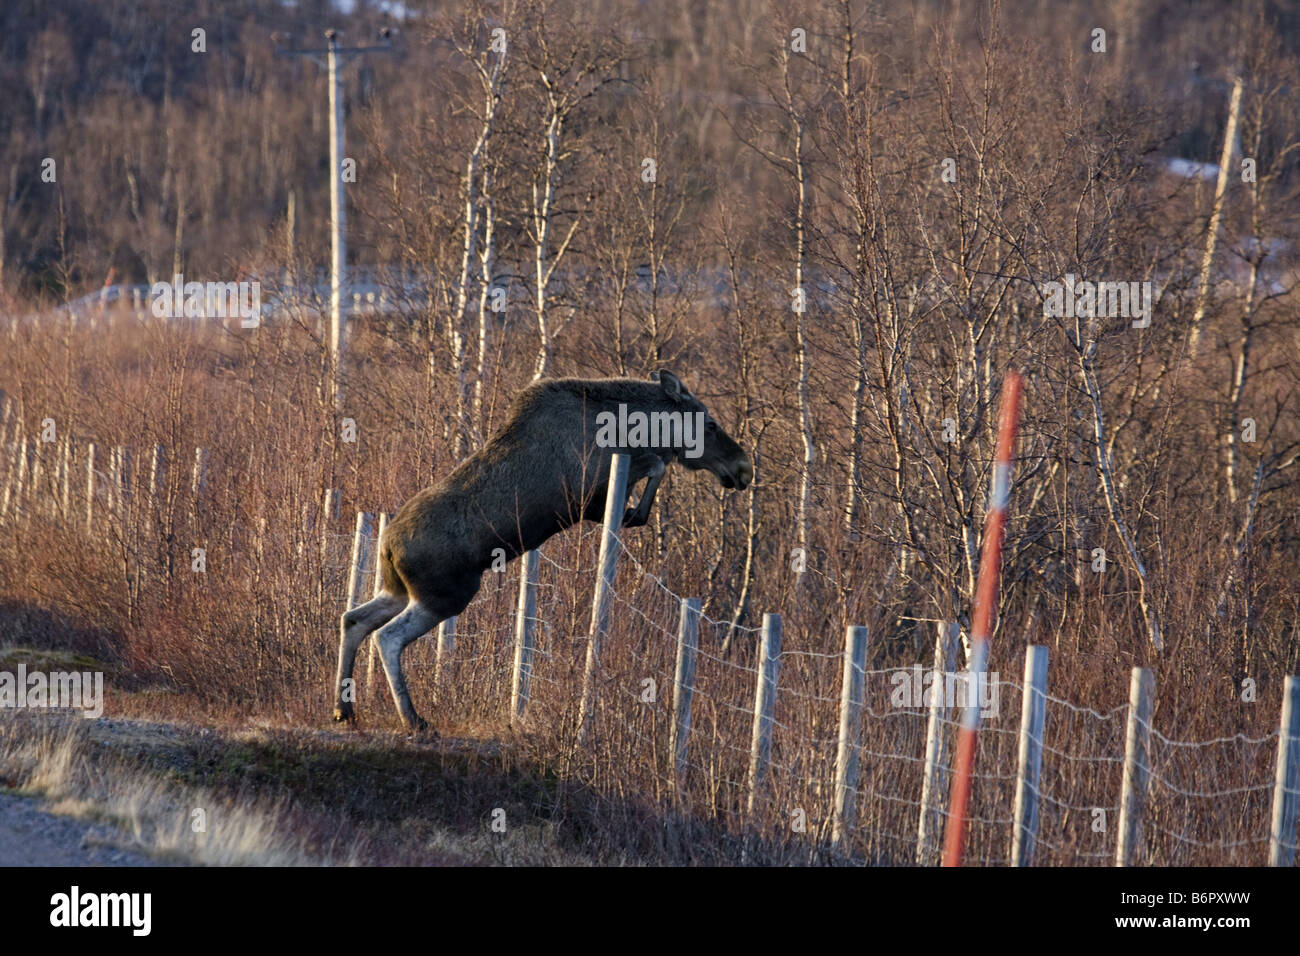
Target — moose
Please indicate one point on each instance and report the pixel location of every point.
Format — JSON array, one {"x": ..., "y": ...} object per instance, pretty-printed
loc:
[{"x": 544, "y": 471}]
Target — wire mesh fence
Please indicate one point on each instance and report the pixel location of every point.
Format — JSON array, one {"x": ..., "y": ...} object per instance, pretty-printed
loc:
[{"x": 1208, "y": 802}]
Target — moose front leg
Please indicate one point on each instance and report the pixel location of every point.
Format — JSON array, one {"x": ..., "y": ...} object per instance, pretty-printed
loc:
[{"x": 638, "y": 516}]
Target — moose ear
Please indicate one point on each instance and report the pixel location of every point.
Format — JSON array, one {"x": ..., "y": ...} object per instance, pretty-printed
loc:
[{"x": 672, "y": 385}]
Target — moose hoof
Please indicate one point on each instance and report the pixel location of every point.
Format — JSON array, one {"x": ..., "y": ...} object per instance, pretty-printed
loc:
[
  {"x": 343, "y": 712},
  {"x": 419, "y": 725}
]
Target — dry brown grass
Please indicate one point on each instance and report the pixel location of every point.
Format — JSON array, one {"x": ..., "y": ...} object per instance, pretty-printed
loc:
[{"x": 255, "y": 636}]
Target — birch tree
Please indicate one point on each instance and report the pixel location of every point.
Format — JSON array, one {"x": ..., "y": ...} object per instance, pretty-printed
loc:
[
  {"x": 568, "y": 70},
  {"x": 487, "y": 54}
]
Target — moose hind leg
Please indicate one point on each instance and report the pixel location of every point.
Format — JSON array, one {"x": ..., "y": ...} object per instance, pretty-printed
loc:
[
  {"x": 353, "y": 628},
  {"x": 393, "y": 637}
]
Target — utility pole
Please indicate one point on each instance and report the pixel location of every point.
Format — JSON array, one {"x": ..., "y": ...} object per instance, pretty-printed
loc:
[{"x": 334, "y": 59}]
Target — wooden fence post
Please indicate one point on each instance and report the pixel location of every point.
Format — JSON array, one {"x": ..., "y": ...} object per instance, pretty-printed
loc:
[
  {"x": 380, "y": 525},
  {"x": 110, "y": 491},
  {"x": 130, "y": 481},
  {"x": 37, "y": 478},
  {"x": 7, "y": 487},
  {"x": 14, "y": 479},
  {"x": 120, "y": 486},
  {"x": 50, "y": 457},
  {"x": 679, "y": 731},
  {"x": 20, "y": 486},
  {"x": 127, "y": 479},
  {"x": 1286, "y": 783},
  {"x": 446, "y": 647},
  {"x": 47, "y": 457},
  {"x": 90, "y": 486},
  {"x": 55, "y": 479},
  {"x": 933, "y": 782},
  {"x": 615, "y": 502},
  {"x": 760, "y": 748},
  {"x": 1137, "y": 741},
  {"x": 360, "y": 557},
  {"x": 157, "y": 464},
  {"x": 852, "y": 682},
  {"x": 259, "y": 548},
  {"x": 199, "y": 474},
  {"x": 525, "y": 635},
  {"x": 11, "y": 464},
  {"x": 1033, "y": 715},
  {"x": 65, "y": 479},
  {"x": 372, "y": 653}
]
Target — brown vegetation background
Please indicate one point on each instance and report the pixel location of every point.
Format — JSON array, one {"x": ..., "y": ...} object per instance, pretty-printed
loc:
[{"x": 774, "y": 170}]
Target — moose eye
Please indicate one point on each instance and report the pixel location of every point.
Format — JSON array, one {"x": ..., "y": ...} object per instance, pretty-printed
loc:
[{"x": 710, "y": 426}]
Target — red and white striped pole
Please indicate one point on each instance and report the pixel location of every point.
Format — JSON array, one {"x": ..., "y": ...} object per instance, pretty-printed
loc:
[{"x": 986, "y": 602}]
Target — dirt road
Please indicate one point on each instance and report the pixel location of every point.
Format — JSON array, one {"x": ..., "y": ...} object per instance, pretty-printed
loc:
[{"x": 31, "y": 837}]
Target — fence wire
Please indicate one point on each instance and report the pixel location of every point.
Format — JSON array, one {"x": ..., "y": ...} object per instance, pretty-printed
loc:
[{"x": 1205, "y": 803}]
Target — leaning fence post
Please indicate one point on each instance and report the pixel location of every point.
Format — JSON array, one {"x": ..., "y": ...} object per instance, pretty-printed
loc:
[
  {"x": 360, "y": 557},
  {"x": 850, "y": 737},
  {"x": 933, "y": 784},
  {"x": 380, "y": 525},
  {"x": 525, "y": 634},
  {"x": 1033, "y": 715},
  {"x": 1286, "y": 784},
  {"x": 373, "y": 653},
  {"x": 760, "y": 748},
  {"x": 679, "y": 731},
  {"x": 615, "y": 502},
  {"x": 1137, "y": 739}
]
